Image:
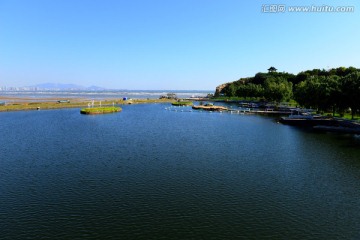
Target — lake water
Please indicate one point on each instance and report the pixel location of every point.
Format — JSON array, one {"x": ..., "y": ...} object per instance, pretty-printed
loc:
[{"x": 151, "y": 173}]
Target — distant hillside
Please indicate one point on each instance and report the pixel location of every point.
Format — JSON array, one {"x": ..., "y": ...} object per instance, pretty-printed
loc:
[
  {"x": 95, "y": 88},
  {"x": 65, "y": 86}
]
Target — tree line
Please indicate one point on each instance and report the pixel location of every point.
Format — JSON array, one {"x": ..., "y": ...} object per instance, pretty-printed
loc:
[{"x": 335, "y": 90}]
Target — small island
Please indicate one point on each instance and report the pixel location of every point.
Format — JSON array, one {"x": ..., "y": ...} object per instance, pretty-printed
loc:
[
  {"x": 183, "y": 103},
  {"x": 210, "y": 108},
  {"x": 100, "y": 110}
]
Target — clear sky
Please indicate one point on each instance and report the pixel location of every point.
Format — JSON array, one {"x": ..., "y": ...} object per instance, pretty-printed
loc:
[{"x": 168, "y": 44}]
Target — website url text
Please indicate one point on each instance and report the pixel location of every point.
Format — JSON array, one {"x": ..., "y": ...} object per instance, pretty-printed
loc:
[{"x": 282, "y": 8}]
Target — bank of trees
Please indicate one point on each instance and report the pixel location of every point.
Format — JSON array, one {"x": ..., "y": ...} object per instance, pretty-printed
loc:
[
  {"x": 332, "y": 92},
  {"x": 336, "y": 89}
]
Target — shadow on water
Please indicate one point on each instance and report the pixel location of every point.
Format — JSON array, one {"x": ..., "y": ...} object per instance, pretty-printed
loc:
[{"x": 339, "y": 139}]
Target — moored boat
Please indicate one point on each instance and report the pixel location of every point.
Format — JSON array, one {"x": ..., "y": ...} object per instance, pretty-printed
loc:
[{"x": 307, "y": 119}]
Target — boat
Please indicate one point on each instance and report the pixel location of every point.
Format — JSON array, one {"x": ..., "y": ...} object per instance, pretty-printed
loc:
[
  {"x": 301, "y": 116},
  {"x": 307, "y": 119},
  {"x": 242, "y": 109},
  {"x": 63, "y": 101},
  {"x": 298, "y": 114}
]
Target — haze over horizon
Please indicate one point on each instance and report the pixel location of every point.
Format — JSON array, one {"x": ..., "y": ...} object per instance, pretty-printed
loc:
[
  {"x": 155, "y": 45},
  {"x": 70, "y": 86}
]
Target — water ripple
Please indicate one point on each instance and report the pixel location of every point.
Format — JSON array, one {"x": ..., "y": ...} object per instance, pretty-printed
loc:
[{"x": 147, "y": 173}]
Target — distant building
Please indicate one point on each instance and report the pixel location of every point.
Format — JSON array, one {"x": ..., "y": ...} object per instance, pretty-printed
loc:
[
  {"x": 169, "y": 96},
  {"x": 272, "y": 69}
]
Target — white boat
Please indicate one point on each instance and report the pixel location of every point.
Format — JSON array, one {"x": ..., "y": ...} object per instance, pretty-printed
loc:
[{"x": 301, "y": 116}]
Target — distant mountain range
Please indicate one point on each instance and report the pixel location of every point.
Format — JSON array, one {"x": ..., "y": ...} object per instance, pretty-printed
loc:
[{"x": 65, "y": 86}]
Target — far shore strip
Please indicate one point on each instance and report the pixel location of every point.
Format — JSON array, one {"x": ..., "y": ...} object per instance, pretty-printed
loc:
[{"x": 28, "y": 103}]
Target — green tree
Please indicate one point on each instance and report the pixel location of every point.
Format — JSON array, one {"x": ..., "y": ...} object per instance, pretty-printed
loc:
[
  {"x": 242, "y": 91},
  {"x": 255, "y": 90},
  {"x": 250, "y": 90},
  {"x": 350, "y": 89},
  {"x": 321, "y": 93},
  {"x": 333, "y": 93},
  {"x": 313, "y": 93},
  {"x": 231, "y": 90},
  {"x": 327, "y": 93},
  {"x": 260, "y": 78},
  {"x": 277, "y": 89},
  {"x": 305, "y": 93}
]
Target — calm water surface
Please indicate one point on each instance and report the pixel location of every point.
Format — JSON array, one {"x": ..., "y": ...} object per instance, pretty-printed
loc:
[{"x": 151, "y": 173}]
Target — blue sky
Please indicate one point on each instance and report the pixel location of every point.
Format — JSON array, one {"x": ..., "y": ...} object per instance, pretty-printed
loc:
[{"x": 168, "y": 44}]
